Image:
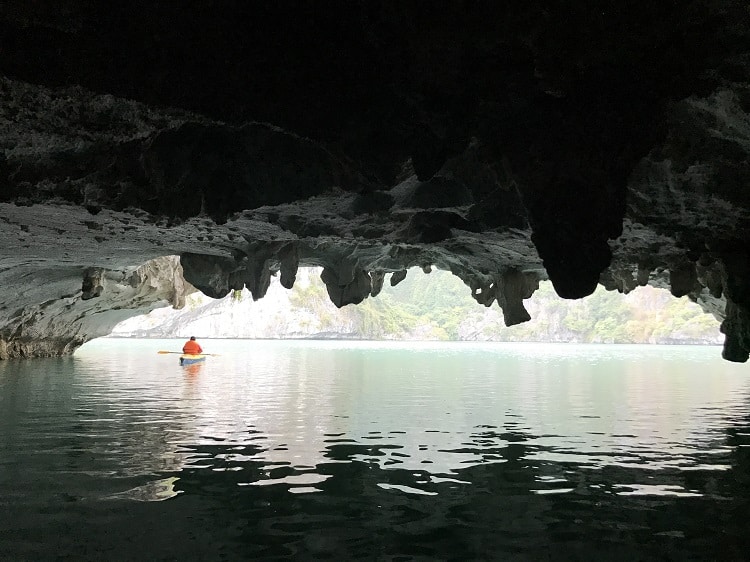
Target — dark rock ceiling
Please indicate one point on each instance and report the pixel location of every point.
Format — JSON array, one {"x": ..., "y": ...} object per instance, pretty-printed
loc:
[{"x": 584, "y": 142}]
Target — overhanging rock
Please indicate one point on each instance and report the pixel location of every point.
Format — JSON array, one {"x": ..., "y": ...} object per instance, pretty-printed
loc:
[{"x": 505, "y": 143}]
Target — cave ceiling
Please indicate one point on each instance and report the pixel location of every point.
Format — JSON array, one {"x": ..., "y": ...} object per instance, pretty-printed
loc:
[{"x": 584, "y": 143}]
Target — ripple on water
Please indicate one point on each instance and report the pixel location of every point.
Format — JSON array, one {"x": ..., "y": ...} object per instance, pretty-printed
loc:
[{"x": 304, "y": 449}]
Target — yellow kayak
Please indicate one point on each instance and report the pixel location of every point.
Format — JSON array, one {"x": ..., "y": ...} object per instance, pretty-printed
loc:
[{"x": 190, "y": 359}]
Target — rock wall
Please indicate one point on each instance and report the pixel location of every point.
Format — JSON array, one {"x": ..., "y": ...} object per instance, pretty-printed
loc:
[
  {"x": 75, "y": 305},
  {"x": 506, "y": 143}
]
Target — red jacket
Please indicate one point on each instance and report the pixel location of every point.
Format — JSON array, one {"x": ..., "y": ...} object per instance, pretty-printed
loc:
[{"x": 192, "y": 347}]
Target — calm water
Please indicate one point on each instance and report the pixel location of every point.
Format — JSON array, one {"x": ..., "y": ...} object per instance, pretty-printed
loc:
[{"x": 325, "y": 450}]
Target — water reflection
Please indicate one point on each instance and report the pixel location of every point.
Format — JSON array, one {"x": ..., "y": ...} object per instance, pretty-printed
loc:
[
  {"x": 505, "y": 503},
  {"x": 193, "y": 369},
  {"x": 313, "y": 450}
]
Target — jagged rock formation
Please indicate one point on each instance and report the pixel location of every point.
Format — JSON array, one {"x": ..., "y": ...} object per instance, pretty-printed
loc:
[
  {"x": 430, "y": 307},
  {"x": 507, "y": 144},
  {"x": 71, "y": 312}
]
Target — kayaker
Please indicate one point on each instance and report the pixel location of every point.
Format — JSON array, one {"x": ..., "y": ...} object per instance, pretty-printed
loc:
[{"x": 192, "y": 347}]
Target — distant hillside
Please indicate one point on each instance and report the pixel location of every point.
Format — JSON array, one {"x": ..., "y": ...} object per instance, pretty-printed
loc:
[{"x": 437, "y": 306}]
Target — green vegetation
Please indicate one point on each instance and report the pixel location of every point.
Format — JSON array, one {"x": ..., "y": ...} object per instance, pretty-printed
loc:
[{"x": 439, "y": 306}]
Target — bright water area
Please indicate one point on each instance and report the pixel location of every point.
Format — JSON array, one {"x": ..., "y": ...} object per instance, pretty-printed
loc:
[{"x": 376, "y": 451}]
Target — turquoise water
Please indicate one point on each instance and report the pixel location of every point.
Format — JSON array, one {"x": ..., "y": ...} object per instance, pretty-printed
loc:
[{"x": 380, "y": 451}]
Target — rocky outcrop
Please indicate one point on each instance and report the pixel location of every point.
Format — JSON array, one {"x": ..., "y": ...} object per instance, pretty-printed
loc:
[
  {"x": 507, "y": 144},
  {"x": 509, "y": 290},
  {"x": 75, "y": 305}
]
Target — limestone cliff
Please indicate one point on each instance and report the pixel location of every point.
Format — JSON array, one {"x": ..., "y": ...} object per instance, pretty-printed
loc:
[
  {"x": 506, "y": 143},
  {"x": 71, "y": 311}
]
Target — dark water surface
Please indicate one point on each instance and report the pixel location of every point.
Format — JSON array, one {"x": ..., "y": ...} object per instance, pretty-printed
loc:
[{"x": 325, "y": 450}]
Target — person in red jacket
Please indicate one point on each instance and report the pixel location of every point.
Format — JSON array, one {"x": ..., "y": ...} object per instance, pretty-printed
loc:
[{"x": 192, "y": 347}]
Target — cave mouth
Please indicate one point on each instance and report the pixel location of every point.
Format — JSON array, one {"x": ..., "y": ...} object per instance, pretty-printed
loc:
[
  {"x": 506, "y": 144},
  {"x": 434, "y": 306}
]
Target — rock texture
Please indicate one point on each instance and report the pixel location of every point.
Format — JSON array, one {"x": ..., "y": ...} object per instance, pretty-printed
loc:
[
  {"x": 74, "y": 306},
  {"x": 505, "y": 143},
  {"x": 430, "y": 307}
]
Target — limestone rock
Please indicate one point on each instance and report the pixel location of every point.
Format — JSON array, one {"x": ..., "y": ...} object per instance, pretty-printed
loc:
[
  {"x": 346, "y": 285},
  {"x": 62, "y": 319},
  {"x": 505, "y": 143},
  {"x": 377, "y": 278}
]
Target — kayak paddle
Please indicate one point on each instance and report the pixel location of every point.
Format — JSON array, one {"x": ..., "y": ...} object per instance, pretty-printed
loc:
[{"x": 181, "y": 353}]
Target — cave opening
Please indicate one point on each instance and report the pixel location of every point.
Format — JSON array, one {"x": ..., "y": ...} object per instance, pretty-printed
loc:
[
  {"x": 434, "y": 306},
  {"x": 508, "y": 143}
]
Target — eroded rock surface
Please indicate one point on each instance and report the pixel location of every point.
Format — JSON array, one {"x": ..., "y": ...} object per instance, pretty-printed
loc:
[
  {"x": 67, "y": 312},
  {"x": 505, "y": 143}
]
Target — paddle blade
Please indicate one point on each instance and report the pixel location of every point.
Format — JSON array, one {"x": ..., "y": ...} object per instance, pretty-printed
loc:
[{"x": 169, "y": 352}]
